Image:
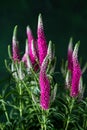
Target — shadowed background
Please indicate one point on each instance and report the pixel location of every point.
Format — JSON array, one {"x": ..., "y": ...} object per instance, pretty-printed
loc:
[{"x": 62, "y": 19}]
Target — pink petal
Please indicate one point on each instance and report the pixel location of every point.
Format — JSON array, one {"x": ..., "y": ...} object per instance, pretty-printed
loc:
[{"x": 42, "y": 45}]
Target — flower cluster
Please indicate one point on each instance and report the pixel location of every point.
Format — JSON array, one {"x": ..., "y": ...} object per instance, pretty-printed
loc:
[
  {"x": 75, "y": 70},
  {"x": 37, "y": 56},
  {"x": 35, "y": 96}
]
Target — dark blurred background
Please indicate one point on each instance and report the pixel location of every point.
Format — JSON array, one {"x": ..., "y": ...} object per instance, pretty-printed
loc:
[{"x": 62, "y": 19}]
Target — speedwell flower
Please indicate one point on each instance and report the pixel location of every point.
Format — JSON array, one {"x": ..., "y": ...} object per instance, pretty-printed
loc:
[
  {"x": 76, "y": 73},
  {"x": 15, "y": 50},
  {"x": 42, "y": 45},
  {"x": 44, "y": 85}
]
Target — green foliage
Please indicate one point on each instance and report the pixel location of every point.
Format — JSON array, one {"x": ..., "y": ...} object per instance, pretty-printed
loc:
[
  {"x": 20, "y": 100},
  {"x": 20, "y": 106}
]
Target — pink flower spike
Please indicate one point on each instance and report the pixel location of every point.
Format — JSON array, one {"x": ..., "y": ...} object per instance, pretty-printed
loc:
[
  {"x": 15, "y": 50},
  {"x": 32, "y": 47},
  {"x": 44, "y": 86},
  {"x": 70, "y": 51},
  {"x": 30, "y": 37},
  {"x": 24, "y": 58},
  {"x": 76, "y": 75},
  {"x": 42, "y": 45}
]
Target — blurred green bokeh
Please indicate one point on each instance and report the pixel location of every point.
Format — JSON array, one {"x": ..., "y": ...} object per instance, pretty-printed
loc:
[{"x": 62, "y": 19}]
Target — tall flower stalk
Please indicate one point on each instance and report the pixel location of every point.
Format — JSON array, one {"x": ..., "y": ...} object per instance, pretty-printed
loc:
[
  {"x": 74, "y": 71},
  {"x": 42, "y": 44},
  {"x": 73, "y": 82},
  {"x": 32, "y": 45},
  {"x": 15, "y": 50},
  {"x": 76, "y": 74},
  {"x": 44, "y": 86}
]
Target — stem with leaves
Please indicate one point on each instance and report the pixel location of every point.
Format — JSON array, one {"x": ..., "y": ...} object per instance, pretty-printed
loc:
[
  {"x": 6, "y": 113},
  {"x": 20, "y": 102},
  {"x": 44, "y": 119},
  {"x": 71, "y": 105}
]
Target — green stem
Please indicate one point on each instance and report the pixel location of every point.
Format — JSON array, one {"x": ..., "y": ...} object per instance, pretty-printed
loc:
[
  {"x": 6, "y": 114},
  {"x": 35, "y": 76},
  {"x": 26, "y": 87},
  {"x": 71, "y": 104},
  {"x": 20, "y": 102},
  {"x": 67, "y": 123},
  {"x": 36, "y": 108},
  {"x": 85, "y": 122},
  {"x": 44, "y": 120},
  {"x": 44, "y": 125},
  {"x": 30, "y": 94}
]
